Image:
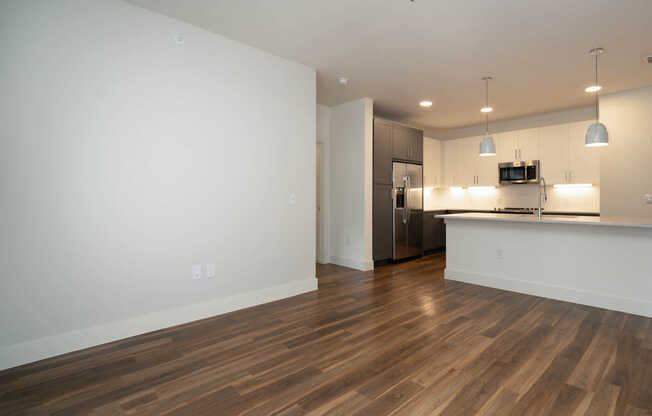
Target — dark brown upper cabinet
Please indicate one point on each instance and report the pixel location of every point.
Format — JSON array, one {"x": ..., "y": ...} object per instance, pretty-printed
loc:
[
  {"x": 407, "y": 144},
  {"x": 382, "y": 153}
]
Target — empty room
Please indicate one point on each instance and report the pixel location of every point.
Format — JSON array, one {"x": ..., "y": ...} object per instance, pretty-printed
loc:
[{"x": 325, "y": 207}]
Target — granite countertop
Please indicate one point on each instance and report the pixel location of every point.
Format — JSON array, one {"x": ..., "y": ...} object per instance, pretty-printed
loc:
[{"x": 552, "y": 219}]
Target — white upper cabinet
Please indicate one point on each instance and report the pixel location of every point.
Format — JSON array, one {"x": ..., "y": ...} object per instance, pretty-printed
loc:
[
  {"x": 528, "y": 144},
  {"x": 449, "y": 162},
  {"x": 584, "y": 162},
  {"x": 560, "y": 148},
  {"x": 467, "y": 154},
  {"x": 506, "y": 146},
  {"x": 517, "y": 145},
  {"x": 553, "y": 153},
  {"x": 432, "y": 163},
  {"x": 472, "y": 169},
  {"x": 487, "y": 171}
]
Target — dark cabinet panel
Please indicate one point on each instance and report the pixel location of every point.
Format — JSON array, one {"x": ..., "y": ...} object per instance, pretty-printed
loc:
[
  {"x": 416, "y": 146},
  {"x": 383, "y": 236},
  {"x": 428, "y": 231},
  {"x": 440, "y": 233},
  {"x": 407, "y": 144},
  {"x": 434, "y": 231},
  {"x": 401, "y": 142},
  {"x": 382, "y": 153}
]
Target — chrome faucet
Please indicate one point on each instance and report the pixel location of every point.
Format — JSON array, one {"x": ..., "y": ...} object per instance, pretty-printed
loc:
[{"x": 542, "y": 185}]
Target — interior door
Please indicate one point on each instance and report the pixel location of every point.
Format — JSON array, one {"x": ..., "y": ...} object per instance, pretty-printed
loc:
[{"x": 318, "y": 255}]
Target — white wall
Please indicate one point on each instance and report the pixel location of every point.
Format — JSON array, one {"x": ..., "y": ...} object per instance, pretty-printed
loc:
[
  {"x": 625, "y": 165},
  {"x": 323, "y": 138},
  {"x": 535, "y": 120},
  {"x": 126, "y": 158},
  {"x": 351, "y": 178}
]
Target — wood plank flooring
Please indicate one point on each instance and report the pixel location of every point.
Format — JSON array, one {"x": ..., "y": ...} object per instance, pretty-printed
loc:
[{"x": 399, "y": 340}]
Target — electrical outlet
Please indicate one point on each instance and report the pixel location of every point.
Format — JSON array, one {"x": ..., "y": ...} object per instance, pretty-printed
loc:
[
  {"x": 499, "y": 254},
  {"x": 648, "y": 199},
  {"x": 292, "y": 199},
  {"x": 210, "y": 270},
  {"x": 196, "y": 272}
]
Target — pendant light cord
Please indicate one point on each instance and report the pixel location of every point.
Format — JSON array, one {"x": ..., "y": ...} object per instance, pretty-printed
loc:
[
  {"x": 486, "y": 123},
  {"x": 597, "y": 108}
]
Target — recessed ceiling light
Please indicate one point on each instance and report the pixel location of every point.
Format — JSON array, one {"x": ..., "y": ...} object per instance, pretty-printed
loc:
[
  {"x": 593, "y": 88},
  {"x": 343, "y": 80},
  {"x": 487, "y": 109},
  {"x": 425, "y": 103}
]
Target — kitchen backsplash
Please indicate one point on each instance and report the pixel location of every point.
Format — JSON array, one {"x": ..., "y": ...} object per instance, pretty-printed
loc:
[{"x": 518, "y": 196}]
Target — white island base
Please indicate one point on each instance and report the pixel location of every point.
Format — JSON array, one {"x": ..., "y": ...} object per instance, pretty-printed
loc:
[{"x": 599, "y": 262}]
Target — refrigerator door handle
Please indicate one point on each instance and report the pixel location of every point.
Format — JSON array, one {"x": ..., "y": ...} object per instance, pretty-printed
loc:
[
  {"x": 405, "y": 199},
  {"x": 407, "y": 205}
]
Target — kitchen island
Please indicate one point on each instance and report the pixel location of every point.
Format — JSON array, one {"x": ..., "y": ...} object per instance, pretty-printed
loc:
[{"x": 597, "y": 261}]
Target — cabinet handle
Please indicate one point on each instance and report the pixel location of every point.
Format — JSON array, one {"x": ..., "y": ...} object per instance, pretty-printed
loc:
[{"x": 515, "y": 157}]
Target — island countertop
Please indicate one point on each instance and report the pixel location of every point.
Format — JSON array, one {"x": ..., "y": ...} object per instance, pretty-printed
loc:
[{"x": 552, "y": 219}]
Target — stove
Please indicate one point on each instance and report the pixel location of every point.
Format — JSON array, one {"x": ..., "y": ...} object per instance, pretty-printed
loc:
[{"x": 512, "y": 210}]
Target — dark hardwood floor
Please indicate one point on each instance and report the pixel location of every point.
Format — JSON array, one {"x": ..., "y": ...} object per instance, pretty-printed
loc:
[{"x": 399, "y": 340}]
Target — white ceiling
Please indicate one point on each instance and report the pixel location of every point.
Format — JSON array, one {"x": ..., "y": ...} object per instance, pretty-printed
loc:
[{"x": 399, "y": 52}]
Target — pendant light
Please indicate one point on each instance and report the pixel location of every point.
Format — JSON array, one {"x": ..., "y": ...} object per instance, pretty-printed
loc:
[
  {"x": 597, "y": 134},
  {"x": 487, "y": 145}
]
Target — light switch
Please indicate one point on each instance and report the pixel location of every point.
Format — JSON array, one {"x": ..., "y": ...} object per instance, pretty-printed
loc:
[
  {"x": 196, "y": 272},
  {"x": 648, "y": 199},
  {"x": 292, "y": 200},
  {"x": 210, "y": 270}
]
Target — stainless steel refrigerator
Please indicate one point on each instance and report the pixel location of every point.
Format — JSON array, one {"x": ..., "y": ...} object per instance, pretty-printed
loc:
[{"x": 407, "y": 195}]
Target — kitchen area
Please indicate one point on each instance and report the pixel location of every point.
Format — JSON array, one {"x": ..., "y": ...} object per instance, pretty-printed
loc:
[
  {"x": 457, "y": 180},
  {"x": 527, "y": 218}
]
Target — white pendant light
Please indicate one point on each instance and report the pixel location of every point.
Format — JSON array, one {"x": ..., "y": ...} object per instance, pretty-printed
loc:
[
  {"x": 487, "y": 145},
  {"x": 596, "y": 135}
]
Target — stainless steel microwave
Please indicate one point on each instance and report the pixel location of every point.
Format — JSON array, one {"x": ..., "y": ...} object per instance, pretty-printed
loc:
[{"x": 525, "y": 171}]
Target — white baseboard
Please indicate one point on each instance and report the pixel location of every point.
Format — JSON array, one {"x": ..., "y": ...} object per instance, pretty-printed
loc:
[
  {"x": 358, "y": 264},
  {"x": 29, "y": 351},
  {"x": 584, "y": 297},
  {"x": 324, "y": 260}
]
